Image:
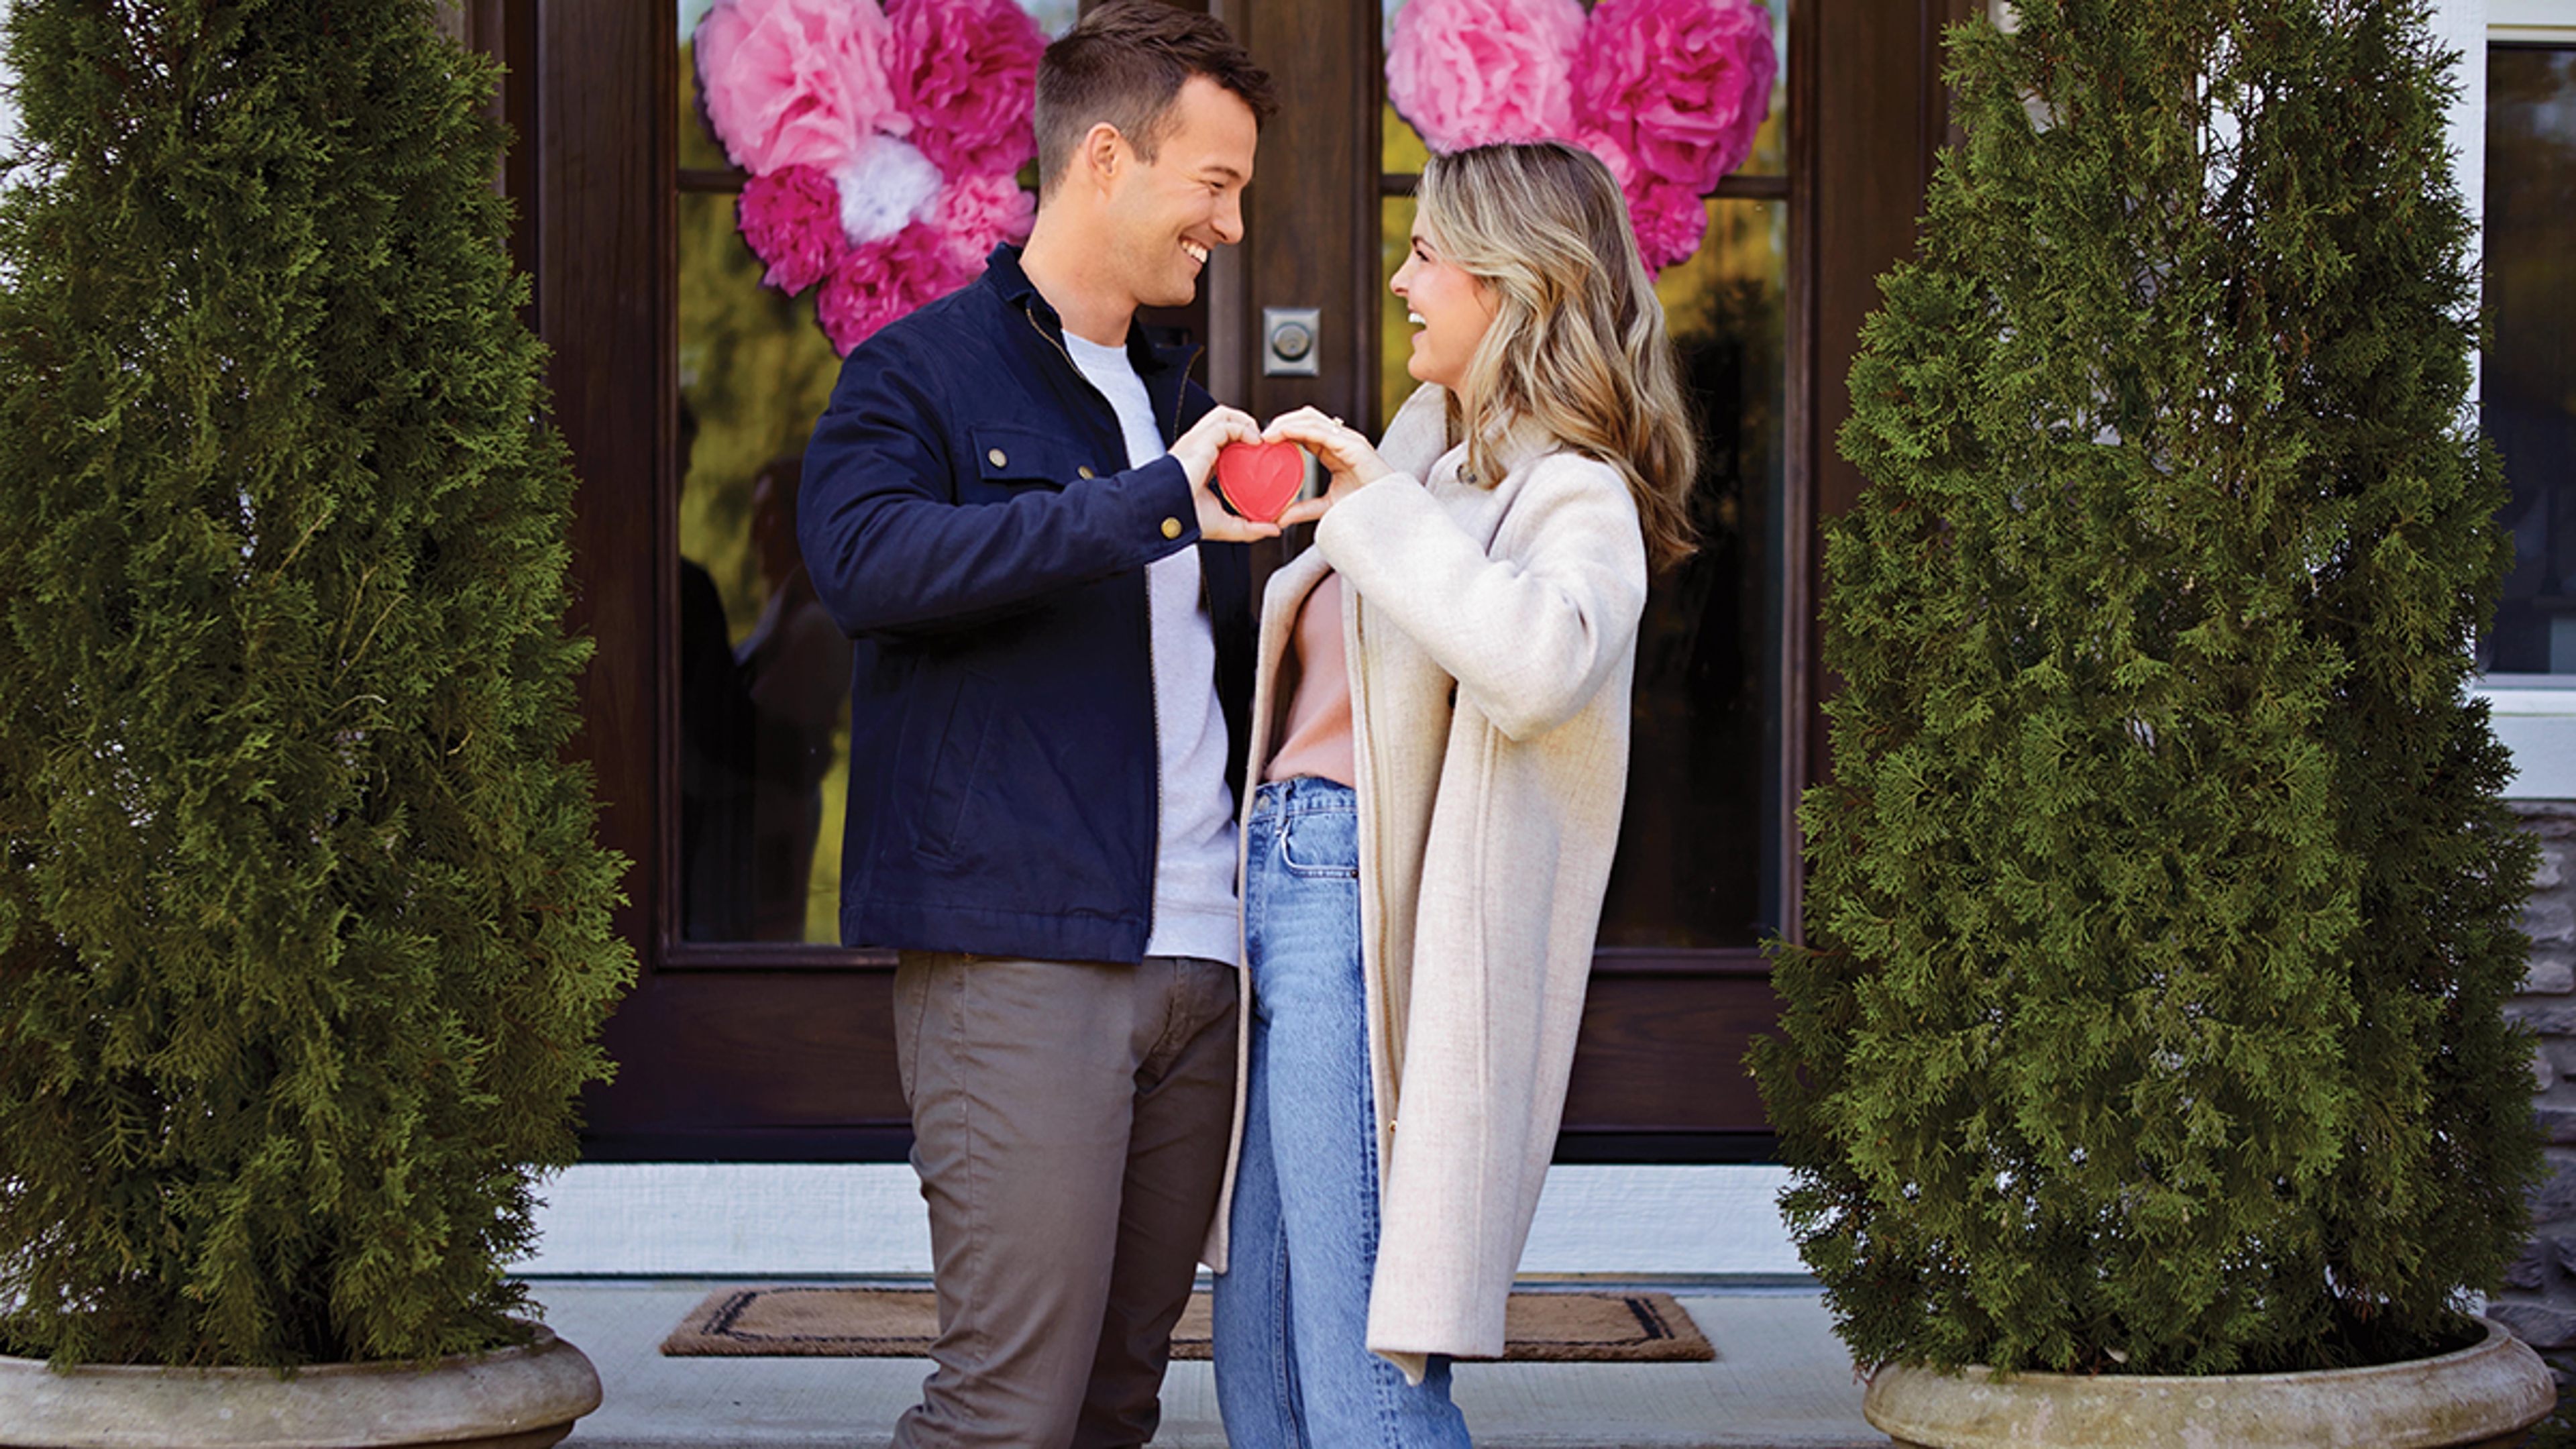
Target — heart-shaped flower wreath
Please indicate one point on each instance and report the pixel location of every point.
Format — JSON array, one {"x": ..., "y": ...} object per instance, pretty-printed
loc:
[
  {"x": 884, "y": 145},
  {"x": 1668, "y": 93}
]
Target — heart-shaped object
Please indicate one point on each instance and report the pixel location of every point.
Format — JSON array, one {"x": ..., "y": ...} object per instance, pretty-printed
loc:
[{"x": 1260, "y": 479}]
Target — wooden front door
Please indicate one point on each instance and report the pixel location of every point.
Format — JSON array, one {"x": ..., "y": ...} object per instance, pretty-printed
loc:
[{"x": 750, "y": 1035}]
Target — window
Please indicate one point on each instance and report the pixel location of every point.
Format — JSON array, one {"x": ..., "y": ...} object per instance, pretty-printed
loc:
[
  {"x": 764, "y": 673},
  {"x": 2528, "y": 373},
  {"x": 1698, "y": 861}
]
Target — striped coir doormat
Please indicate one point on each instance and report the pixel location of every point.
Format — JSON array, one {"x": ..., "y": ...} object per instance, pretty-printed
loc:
[{"x": 1561, "y": 1326}]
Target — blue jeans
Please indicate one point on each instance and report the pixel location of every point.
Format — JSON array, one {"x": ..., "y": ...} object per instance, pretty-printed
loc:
[{"x": 1292, "y": 1365}]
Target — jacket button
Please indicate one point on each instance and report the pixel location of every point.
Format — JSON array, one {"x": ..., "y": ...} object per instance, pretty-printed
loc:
[
  {"x": 998, "y": 458},
  {"x": 1171, "y": 528},
  {"x": 1084, "y": 471}
]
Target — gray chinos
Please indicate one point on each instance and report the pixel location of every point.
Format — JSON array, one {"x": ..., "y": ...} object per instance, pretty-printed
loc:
[{"x": 1071, "y": 1122}]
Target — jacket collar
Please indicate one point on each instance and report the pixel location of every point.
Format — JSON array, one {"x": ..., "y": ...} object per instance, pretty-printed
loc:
[
  {"x": 1507, "y": 449},
  {"x": 1523, "y": 442},
  {"x": 1156, "y": 352}
]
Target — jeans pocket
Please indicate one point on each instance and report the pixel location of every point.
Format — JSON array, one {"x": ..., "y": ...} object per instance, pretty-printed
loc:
[{"x": 1320, "y": 845}]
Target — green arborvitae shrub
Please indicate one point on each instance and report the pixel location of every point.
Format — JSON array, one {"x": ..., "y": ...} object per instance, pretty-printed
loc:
[
  {"x": 2163, "y": 907},
  {"x": 304, "y": 937}
]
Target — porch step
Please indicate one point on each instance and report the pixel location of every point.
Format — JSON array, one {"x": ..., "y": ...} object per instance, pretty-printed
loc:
[{"x": 1780, "y": 1381}]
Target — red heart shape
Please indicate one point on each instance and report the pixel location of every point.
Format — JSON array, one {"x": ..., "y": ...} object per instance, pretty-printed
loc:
[{"x": 1260, "y": 479}]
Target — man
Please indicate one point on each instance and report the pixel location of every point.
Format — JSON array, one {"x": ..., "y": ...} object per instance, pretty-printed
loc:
[{"x": 1053, "y": 664}]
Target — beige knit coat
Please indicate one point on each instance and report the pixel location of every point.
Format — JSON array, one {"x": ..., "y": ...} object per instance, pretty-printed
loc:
[{"x": 1491, "y": 640}]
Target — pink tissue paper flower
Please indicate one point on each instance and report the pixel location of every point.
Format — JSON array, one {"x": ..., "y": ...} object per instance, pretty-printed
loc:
[
  {"x": 965, "y": 72},
  {"x": 795, "y": 82},
  {"x": 1669, "y": 219},
  {"x": 929, "y": 264},
  {"x": 1623, "y": 167},
  {"x": 792, "y": 218},
  {"x": 863, "y": 293},
  {"x": 978, "y": 213},
  {"x": 1681, "y": 85},
  {"x": 1474, "y": 72}
]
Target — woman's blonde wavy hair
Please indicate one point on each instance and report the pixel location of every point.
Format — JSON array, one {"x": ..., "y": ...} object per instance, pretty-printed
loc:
[{"x": 1577, "y": 346}]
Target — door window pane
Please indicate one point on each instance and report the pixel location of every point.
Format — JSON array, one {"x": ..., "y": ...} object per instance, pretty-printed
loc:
[
  {"x": 764, "y": 673},
  {"x": 1698, "y": 863},
  {"x": 1695, "y": 867},
  {"x": 2528, "y": 376},
  {"x": 1696, "y": 843}
]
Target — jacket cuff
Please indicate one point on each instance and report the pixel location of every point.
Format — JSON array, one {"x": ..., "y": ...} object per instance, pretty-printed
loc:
[{"x": 1171, "y": 507}]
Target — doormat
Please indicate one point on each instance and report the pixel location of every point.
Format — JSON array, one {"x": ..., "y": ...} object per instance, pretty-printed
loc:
[{"x": 1548, "y": 1326}]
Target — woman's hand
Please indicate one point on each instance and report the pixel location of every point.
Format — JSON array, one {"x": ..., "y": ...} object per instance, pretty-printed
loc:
[{"x": 1344, "y": 452}]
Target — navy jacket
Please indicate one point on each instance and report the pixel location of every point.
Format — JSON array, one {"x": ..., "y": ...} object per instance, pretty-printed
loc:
[{"x": 968, "y": 517}]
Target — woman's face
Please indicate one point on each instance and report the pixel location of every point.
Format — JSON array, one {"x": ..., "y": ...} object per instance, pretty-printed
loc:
[{"x": 1451, "y": 309}]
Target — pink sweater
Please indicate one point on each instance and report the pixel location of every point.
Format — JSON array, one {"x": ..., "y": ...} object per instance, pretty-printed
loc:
[{"x": 1317, "y": 739}]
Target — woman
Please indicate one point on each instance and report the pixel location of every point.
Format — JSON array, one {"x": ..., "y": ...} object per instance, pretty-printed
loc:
[{"x": 1439, "y": 749}]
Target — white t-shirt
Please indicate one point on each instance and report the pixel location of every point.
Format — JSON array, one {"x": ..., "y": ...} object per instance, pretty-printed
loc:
[{"x": 1194, "y": 912}]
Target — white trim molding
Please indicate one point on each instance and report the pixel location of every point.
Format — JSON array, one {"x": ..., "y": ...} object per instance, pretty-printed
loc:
[
  {"x": 2537, "y": 721},
  {"x": 2541, "y": 20},
  {"x": 865, "y": 1219}
]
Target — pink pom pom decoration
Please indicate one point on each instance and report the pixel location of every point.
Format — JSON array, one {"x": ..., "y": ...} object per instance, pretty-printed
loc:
[
  {"x": 1476, "y": 72},
  {"x": 864, "y": 293},
  {"x": 1682, "y": 85},
  {"x": 979, "y": 213},
  {"x": 1623, "y": 167},
  {"x": 1667, "y": 219},
  {"x": 881, "y": 144},
  {"x": 965, "y": 72},
  {"x": 1670, "y": 219},
  {"x": 793, "y": 82},
  {"x": 792, "y": 219}
]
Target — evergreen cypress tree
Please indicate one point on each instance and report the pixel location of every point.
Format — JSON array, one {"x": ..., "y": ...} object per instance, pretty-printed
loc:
[
  {"x": 2163, "y": 906},
  {"x": 304, "y": 937}
]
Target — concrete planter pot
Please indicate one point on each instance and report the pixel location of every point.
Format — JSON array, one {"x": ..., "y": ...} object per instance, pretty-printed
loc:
[
  {"x": 513, "y": 1398},
  {"x": 2482, "y": 1395}
]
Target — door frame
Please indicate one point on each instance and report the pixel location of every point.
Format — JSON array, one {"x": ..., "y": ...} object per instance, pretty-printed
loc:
[{"x": 775, "y": 1052}]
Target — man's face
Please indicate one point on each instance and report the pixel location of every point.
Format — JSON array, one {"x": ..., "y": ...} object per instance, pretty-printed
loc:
[{"x": 1167, "y": 214}]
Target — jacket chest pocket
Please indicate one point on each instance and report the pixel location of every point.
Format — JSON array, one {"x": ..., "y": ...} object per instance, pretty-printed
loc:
[{"x": 1010, "y": 460}]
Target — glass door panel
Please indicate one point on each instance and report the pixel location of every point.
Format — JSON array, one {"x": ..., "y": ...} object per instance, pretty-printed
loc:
[
  {"x": 763, "y": 735},
  {"x": 764, "y": 674},
  {"x": 1698, "y": 864}
]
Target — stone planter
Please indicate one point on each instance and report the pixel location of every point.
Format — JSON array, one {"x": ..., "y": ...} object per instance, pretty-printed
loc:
[
  {"x": 513, "y": 1398},
  {"x": 2482, "y": 1395}
]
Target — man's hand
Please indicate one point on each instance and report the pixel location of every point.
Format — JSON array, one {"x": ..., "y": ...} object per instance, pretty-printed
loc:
[{"x": 1197, "y": 450}]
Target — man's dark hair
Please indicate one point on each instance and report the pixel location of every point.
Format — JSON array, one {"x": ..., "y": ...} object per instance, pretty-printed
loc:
[{"x": 1124, "y": 63}]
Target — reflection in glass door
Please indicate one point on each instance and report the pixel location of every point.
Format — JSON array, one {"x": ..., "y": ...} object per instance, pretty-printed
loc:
[{"x": 763, "y": 674}]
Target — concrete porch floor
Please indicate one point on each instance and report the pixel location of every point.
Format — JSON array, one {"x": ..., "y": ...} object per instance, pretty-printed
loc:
[{"x": 1781, "y": 1380}]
